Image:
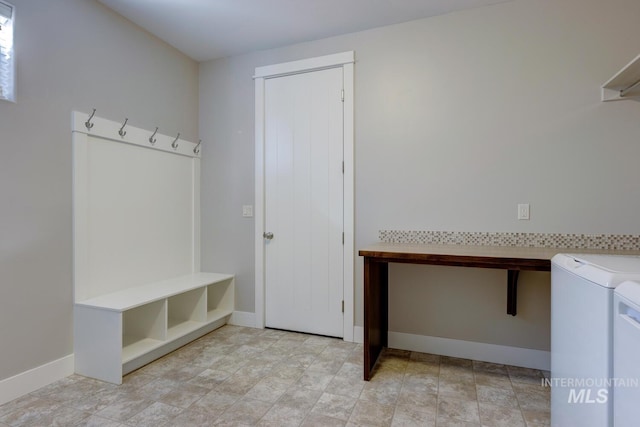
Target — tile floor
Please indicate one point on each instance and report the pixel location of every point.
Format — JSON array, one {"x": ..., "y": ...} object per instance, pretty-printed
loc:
[{"x": 239, "y": 376}]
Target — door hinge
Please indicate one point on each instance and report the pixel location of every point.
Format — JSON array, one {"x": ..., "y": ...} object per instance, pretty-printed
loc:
[
  {"x": 342, "y": 95},
  {"x": 343, "y": 306},
  {"x": 343, "y": 237},
  {"x": 342, "y": 167}
]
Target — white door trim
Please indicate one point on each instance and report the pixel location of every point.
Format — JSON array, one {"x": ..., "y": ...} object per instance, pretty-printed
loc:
[{"x": 346, "y": 61}]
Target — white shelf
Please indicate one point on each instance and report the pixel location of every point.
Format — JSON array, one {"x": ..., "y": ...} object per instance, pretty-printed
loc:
[
  {"x": 178, "y": 329},
  {"x": 134, "y": 347},
  {"x": 218, "y": 314},
  {"x": 624, "y": 84}
]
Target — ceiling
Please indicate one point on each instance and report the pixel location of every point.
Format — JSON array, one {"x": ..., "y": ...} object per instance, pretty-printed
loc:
[{"x": 209, "y": 29}]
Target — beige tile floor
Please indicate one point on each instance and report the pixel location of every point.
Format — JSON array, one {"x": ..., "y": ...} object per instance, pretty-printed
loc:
[{"x": 239, "y": 376}]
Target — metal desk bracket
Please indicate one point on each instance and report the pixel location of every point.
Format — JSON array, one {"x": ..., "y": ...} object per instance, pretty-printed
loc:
[{"x": 512, "y": 291}]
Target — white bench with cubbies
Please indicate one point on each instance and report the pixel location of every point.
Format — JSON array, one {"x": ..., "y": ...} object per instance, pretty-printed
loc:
[
  {"x": 138, "y": 290},
  {"x": 119, "y": 332}
]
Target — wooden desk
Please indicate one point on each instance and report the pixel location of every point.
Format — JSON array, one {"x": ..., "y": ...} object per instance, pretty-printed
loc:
[{"x": 376, "y": 277}]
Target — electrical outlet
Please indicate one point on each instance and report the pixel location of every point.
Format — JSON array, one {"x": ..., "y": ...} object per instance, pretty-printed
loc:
[
  {"x": 247, "y": 211},
  {"x": 523, "y": 211}
]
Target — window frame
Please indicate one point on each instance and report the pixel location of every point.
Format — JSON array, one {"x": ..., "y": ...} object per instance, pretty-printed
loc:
[{"x": 11, "y": 96}]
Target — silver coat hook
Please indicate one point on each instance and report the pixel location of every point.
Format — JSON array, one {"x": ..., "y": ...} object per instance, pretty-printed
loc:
[
  {"x": 174, "y": 144},
  {"x": 122, "y": 132},
  {"x": 152, "y": 140},
  {"x": 88, "y": 123},
  {"x": 196, "y": 149}
]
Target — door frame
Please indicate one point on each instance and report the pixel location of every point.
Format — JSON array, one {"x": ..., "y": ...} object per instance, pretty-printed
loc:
[{"x": 344, "y": 60}]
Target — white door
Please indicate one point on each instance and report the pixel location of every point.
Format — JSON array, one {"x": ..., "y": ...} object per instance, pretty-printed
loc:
[{"x": 304, "y": 202}]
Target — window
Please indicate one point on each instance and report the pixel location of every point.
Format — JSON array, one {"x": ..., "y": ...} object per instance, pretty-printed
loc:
[{"x": 7, "y": 58}]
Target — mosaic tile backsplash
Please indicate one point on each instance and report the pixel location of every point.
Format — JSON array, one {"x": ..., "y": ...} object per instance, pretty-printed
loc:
[{"x": 532, "y": 240}]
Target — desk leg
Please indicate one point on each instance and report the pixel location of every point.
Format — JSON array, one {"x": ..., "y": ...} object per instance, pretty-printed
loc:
[{"x": 376, "y": 315}]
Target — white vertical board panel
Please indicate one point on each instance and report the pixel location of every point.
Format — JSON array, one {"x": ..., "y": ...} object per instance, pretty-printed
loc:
[
  {"x": 141, "y": 218},
  {"x": 303, "y": 202},
  {"x": 195, "y": 232},
  {"x": 80, "y": 216},
  {"x": 136, "y": 207}
]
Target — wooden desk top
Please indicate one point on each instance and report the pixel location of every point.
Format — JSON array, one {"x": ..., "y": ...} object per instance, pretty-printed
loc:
[{"x": 502, "y": 257}]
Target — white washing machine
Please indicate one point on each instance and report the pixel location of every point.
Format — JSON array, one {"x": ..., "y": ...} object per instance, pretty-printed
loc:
[
  {"x": 582, "y": 287},
  {"x": 626, "y": 355}
]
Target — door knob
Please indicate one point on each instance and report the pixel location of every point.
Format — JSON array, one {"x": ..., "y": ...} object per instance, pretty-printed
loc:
[{"x": 267, "y": 235}]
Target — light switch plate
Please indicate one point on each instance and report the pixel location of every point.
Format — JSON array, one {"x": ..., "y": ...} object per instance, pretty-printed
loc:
[
  {"x": 523, "y": 211},
  {"x": 247, "y": 211}
]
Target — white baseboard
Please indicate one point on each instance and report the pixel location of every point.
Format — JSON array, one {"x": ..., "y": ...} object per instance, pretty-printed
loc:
[
  {"x": 33, "y": 379},
  {"x": 358, "y": 334},
  {"x": 515, "y": 356},
  {"x": 243, "y": 318}
]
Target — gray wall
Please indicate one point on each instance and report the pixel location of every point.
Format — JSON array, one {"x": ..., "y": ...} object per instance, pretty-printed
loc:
[
  {"x": 458, "y": 119},
  {"x": 470, "y": 113},
  {"x": 71, "y": 55}
]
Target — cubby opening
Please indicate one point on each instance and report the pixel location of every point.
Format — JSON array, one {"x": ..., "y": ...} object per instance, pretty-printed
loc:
[
  {"x": 187, "y": 312},
  {"x": 220, "y": 299},
  {"x": 143, "y": 328}
]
